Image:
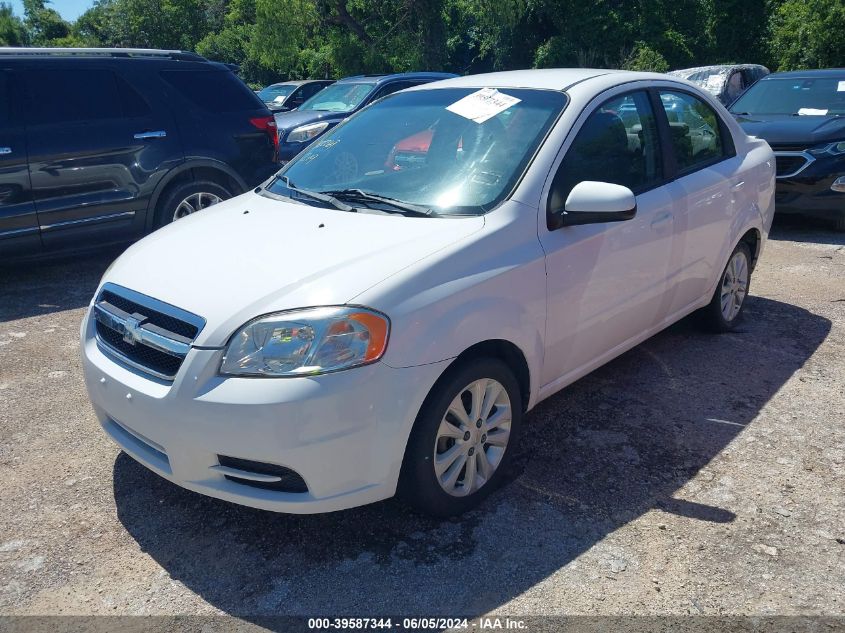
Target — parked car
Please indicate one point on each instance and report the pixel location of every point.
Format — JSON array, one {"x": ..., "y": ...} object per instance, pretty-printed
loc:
[
  {"x": 101, "y": 146},
  {"x": 336, "y": 103},
  {"x": 380, "y": 329},
  {"x": 726, "y": 82},
  {"x": 802, "y": 116},
  {"x": 289, "y": 95}
]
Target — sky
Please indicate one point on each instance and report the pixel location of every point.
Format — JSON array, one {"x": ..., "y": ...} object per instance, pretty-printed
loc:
[{"x": 69, "y": 9}]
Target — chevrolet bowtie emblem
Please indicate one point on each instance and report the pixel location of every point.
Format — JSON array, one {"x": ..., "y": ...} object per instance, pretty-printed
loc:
[{"x": 132, "y": 330}]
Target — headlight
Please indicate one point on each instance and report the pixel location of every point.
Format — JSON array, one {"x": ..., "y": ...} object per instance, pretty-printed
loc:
[
  {"x": 837, "y": 148},
  {"x": 307, "y": 342},
  {"x": 305, "y": 133}
]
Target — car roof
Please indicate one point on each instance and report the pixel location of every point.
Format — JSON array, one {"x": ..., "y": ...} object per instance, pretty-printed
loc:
[
  {"x": 543, "y": 79},
  {"x": 298, "y": 82},
  {"x": 380, "y": 79},
  {"x": 807, "y": 74},
  {"x": 715, "y": 68}
]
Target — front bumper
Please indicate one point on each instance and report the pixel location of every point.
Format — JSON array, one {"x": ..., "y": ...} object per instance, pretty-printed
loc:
[
  {"x": 811, "y": 191},
  {"x": 343, "y": 433}
]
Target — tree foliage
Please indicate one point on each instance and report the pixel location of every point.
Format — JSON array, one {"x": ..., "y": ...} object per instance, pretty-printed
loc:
[
  {"x": 809, "y": 34},
  {"x": 278, "y": 39}
]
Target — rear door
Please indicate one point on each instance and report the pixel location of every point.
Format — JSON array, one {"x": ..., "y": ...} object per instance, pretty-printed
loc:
[
  {"x": 706, "y": 190},
  {"x": 18, "y": 221},
  {"x": 95, "y": 149},
  {"x": 220, "y": 119}
]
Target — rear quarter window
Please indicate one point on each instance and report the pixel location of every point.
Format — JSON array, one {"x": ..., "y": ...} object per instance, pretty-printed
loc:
[{"x": 212, "y": 90}]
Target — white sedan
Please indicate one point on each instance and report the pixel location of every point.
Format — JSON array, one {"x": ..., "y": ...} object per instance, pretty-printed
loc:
[{"x": 379, "y": 317}]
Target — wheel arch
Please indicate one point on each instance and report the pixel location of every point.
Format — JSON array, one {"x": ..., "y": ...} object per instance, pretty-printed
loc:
[
  {"x": 753, "y": 238},
  {"x": 192, "y": 170},
  {"x": 500, "y": 349}
]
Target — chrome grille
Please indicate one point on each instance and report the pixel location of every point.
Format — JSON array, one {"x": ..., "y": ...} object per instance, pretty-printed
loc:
[
  {"x": 790, "y": 164},
  {"x": 145, "y": 333}
]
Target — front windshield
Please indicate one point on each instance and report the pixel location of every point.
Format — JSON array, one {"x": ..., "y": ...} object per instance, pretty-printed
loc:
[
  {"x": 802, "y": 96},
  {"x": 412, "y": 149},
  {"x": 275, "y": 93},
  {"x": 341, "y": 97}
]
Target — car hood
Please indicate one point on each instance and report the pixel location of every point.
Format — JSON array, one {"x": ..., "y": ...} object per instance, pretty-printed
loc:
[
  {"x": 286, "y": 121},
  {"x": 253, "y": 255},
  {"x": 785, "y": 129}
]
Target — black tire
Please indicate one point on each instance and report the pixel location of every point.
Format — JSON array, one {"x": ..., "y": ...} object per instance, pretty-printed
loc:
[
  {"x": 712, "y": 317},
  {"x": 419, "y": 485},
  {"x": 170, "y": 201}
]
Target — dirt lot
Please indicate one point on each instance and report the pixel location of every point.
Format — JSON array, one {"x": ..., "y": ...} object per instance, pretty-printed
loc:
[{"x": 695, "y": 474}]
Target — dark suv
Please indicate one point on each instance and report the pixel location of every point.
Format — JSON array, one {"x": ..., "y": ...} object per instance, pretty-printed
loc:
[{"x": 101, "y": 146}]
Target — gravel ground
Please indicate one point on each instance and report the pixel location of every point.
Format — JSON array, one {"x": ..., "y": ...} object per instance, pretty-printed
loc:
[{"x": 696, "y": 474}]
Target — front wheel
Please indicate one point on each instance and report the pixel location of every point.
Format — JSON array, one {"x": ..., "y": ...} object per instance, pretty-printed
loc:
[
  {"x": 724, "y": 312},
  {"x": 463, "y": 439}
]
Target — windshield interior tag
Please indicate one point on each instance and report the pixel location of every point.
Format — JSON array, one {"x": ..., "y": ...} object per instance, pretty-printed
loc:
[{"x": 482, "y": 105}]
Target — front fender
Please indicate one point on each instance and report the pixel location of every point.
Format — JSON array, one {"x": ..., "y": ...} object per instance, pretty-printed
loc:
[{"x": 489, "y": 287}]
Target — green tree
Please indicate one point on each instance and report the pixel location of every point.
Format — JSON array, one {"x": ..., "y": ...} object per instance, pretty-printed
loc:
[
  {"x": 643, "y": 57},
  {"x": 12, "y": 30},
  {"x": 808, "y": 34},
  {"x": 43, "y": 24}
]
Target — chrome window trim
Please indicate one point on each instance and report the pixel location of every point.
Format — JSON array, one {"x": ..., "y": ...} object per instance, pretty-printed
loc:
[{"x": 809, "y": 160}]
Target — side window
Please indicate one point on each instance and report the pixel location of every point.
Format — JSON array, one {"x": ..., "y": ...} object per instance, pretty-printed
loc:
[
  {"x": 214, "y": 91},
  {"x": 618, "y": 143},
  {"x": 310, "y": 90},
  {"x": 134, "y": 105},
  {"x": 390, "y": 88},
  {"x": 695, "y": 131},
  {"x": 66, "y": 95},
  {"x": 4, "y": 99}
]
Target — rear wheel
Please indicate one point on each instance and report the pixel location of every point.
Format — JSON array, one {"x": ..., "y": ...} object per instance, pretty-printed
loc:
[
  {"x": 463, "y": 439},
  {"x": 188, "y": 198},
  {"x": 724, "y": 312}
]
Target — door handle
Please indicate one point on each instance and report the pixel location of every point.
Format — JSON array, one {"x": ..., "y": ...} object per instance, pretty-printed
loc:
[
  {"x": 661, "y": 219},
  {"x": 737, "y": 186},
  {"x": 5, "y": 150},
  {"x": 143, "y": 136}
]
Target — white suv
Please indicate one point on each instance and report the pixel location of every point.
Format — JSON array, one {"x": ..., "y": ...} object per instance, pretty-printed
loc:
[{"x": 381, "y": 315}]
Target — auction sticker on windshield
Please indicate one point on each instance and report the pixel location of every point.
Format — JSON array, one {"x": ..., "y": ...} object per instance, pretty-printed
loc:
[{"x": 482, "y": 105}]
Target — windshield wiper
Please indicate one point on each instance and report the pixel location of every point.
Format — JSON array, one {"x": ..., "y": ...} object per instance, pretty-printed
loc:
[
  {"x": 393, "y": 205},
  {"x": 318, "y": 195}
]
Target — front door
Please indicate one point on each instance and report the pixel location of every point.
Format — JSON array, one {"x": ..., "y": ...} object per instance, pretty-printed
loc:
[
  {"x": 88, "y": 138},
  {"x": 606, "y": 282},
  {"x": 18, "y": 221}
]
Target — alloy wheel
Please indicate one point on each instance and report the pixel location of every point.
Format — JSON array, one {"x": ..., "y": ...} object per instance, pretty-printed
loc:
[
  {"x": 472, "y": 437},
  {"x": 195, "y": 202},
  {"x": 734, "y": 286}
]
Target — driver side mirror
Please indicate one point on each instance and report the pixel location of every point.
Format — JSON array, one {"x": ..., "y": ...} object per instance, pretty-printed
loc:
[{"x": 592, "y": 202}]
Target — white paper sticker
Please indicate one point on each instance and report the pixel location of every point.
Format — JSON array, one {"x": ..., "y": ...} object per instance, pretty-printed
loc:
[
  {"x": 483, "y": 105},
  {"x": 841, "y": 87},
  {"x": 714, "y": 82},
  {"x": 812, "y": 112},
  {"x": 280, "y": 99}
]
